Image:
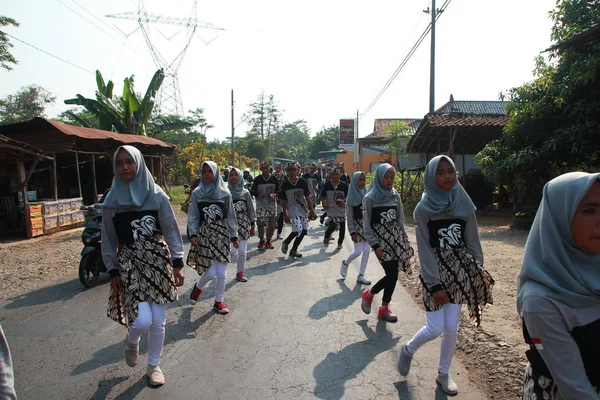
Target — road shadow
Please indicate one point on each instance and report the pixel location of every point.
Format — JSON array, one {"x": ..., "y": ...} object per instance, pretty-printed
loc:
[
  {"x": 50, "y": 294},
  {"x": 336, "y": 369},
  {"x": 338, "y": 301},
  {"x": 105, "y": 386},
  {"x": 404, "y": 392}
]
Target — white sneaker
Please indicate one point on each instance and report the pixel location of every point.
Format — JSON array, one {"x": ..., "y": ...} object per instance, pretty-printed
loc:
[
  {"x": 363, "y": 280},
  {"x": 343, "y": 269},
  {"x": 447, "y": 384},
  {"x": 404, "y": 360},
  {"x": 131, "y": 352},
  {"x": 155, "y": 375}
]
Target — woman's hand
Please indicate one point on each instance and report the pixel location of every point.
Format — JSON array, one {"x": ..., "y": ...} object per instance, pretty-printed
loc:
[
  {"x": 379, "y": 252},
  {"x": 441, "y": 297},
  {"x": 286, "y": 219},
  {"x": 252, "y": 231},
  {"x": 236, "y": 244},
  {"x": 179, "y": 278},
  {"x": 194, "y": 241},
  {"x": 312, "y": 215},
  {"x": 354, "y": 237},
  {"x": 116, "y": 284}
]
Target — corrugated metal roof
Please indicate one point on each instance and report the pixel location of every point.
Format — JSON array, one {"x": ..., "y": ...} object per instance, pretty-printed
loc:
[
  {"x": 473, "y": 107},
  {"x": 10, "y": 148},
  {"x": 55, "y": 137},
  {"x": 449, "y": 120}
]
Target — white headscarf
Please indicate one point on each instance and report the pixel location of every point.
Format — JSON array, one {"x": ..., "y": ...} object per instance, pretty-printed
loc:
[
  {"x": 553, "y": 265},
  {"x": 237, "y": 190},
  {"x": 138, "y": 192},
  {"x": 376, "y": 191},
  {"x": 217, "y": 189}
]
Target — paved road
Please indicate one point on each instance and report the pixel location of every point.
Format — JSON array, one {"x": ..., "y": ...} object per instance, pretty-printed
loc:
[{"x": 295, "y": 331}]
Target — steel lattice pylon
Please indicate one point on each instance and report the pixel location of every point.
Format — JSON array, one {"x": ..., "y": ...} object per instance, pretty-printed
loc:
[{"x": 169, "y": 97}]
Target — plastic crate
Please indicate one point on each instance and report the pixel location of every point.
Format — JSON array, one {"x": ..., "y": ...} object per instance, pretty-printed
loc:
[
  {"x": 64, "y": 206},
  {"x": 76, "y": 204},
  {"x": 50, "y": 222},
  {"x": 31, "y": 196},
  {"x": 50, "y": 208},
  {"x": 65, "y": 219}
]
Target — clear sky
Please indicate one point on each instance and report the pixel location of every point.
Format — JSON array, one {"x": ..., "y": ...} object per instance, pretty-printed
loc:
[{"x": 322, "y": 60}]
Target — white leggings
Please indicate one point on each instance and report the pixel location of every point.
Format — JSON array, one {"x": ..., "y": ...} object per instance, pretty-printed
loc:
[
  {"x": 241, "y": 252},
  {"x": 365, "y": 249},
  {"x": 443, "y": 322},
  {"x": 151, "y": 317},
  {"x": 220, "y": 271}
]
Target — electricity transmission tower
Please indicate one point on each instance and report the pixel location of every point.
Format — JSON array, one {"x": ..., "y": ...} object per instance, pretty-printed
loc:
[{"x": 169, "y": 96}]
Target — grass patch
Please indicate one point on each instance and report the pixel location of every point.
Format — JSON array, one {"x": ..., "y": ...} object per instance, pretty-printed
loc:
[{"x": 178, "y": 195}]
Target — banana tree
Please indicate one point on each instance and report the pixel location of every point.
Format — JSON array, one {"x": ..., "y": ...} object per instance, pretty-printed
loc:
[{"x": 128, "y": 113}]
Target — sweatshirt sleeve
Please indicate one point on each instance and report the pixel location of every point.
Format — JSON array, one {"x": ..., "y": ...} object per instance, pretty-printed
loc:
[
  {"x": 558, "y": 349},
  {"x": 430, "y": 271},
  {"x": 170, "y": 230},
  {"x": 7, "y": 376},
  {"x": 193, "y": 217},
  {"x": 110, "y": 243},
  {"x": 472, "y": 241},
  {"x": 251, "y": 209},
  {"x": 350, "y": 219},
  {"x": 400, "y": 215},
  {"x": 254, "y": 188},
  {"x": 231, "y": 218},
  {"x": 369, "y": 234}
]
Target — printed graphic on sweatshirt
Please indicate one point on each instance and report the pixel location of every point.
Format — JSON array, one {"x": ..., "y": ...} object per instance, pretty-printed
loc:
[
  {"x": 143, "y": 228},
  {"x": 446, "y": 233},
  {"x": 211, "y": 211},
  {"x": 392, "y": 238},
  {"x": 241, "y": 213},
  {"x": 131, "y": 226}
]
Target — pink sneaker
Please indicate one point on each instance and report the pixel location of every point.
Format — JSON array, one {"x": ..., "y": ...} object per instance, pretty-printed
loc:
[
  {"x": 366, "y": 302},
  {"x": 241, "y": 277},
  {"x": 386, "y": 314}
]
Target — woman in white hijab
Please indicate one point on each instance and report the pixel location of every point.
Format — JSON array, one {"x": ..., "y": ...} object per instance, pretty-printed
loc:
[
  {"x": 559, "y": 291},
  {"x": 143, "y": 251}
]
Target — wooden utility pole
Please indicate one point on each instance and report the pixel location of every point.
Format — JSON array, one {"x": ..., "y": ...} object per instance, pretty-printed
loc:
[
  {"x": 232, "y": 133},
  {"x": 432, "y": 60}
]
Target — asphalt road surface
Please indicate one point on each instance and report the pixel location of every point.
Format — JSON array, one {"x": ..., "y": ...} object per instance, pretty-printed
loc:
[{"x": 295, "y": 331}]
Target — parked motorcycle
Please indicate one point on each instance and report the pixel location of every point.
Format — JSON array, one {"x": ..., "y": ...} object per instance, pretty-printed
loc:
[{"x": 91, "y": 264}]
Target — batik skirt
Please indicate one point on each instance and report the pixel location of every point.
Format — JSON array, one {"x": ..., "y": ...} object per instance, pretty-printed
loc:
[
  {"x": 396, "y": 246},
  {"x": 213, "y": 246}
]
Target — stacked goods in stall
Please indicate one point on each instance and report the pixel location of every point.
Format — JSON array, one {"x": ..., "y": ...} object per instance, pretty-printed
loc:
[
  {"x": 36, "y": 219},
  {"x": 50, "y": 216}
]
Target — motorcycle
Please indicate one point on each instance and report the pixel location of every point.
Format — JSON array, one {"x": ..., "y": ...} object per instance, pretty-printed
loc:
[{"x": 91, "y": 264}]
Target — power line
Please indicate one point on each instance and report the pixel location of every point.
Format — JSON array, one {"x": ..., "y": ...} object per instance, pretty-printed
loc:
[
  {"x": 50, "y": 54},
  {"x": 405, "y": 61}
]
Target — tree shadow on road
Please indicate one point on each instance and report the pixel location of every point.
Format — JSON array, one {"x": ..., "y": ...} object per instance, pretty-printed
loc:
[
  {"x": 105, "y": 386},
  {"x": 50, "y": 294},
  {"x": 337, "y": 301},
  {"x": 336, "y": 369}
]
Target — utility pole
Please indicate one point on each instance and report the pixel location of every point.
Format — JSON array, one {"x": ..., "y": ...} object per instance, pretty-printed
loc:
[
  {"x": 232, "y": 133},
  {"x": 433, "y": 12},
  {"x": 356, "y": 157}
]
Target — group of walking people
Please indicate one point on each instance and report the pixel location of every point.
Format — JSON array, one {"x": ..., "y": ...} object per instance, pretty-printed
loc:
[{"x": 558, "y": 285}]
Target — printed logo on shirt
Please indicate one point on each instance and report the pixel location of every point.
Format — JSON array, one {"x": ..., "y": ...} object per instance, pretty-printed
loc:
[
  {"x": 143, "y": 228},
  {"x": 299, "y": 199},
  {"x": 389, "y": 216},
  {"x": 538, "y": 343},
  {"x": 450, "y": 237},
  {"x": 212, "y": 213},
  {"x": 240, "y": 206}
]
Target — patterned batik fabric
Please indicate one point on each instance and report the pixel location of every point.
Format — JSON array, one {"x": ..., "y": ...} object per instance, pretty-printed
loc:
[
  {"x": 262, "y": 216},
  {"x": 146, "y": 274},
  {"x": 464, "y": 280},
  {"x": 213, "y": 246},
  {"x": 540, "y": 387},
  {"x": 243, "y": 220},
  {"x": 337, "y": 221},
  {"x": 299, "y": 224},
  {"x": 359, "y": 230},
  {"x": 395, "y": 244}
]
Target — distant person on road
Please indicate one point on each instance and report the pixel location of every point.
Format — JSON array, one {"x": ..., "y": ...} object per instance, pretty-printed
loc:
[
  {"x": 7, "y": 375},
  {"x": 143, "y": 253},
  {"x": 245, "y": 215},
  {"x": 344, "y": 177},
  {"x": 297, "y": 208},
  {"x": 314, "y": 180},
  {"x": 333, "y": 197},
  {"x": 280, "y": 175},
  {"x": 264, "y": 189},
  {"x": 559, "y": 291},
  {"x": 452, "y": 271},
  {"x": 383, "y": 225},
  {"x": 354, "y": 218},
  {"x": 213, "y": 230},
  {"x": 247, "y": 177}
]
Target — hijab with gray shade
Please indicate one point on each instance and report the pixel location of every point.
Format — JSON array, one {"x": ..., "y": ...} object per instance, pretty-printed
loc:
[
  {"x": 215, "y": 190},
  {"x": 238, "y": 189},
  {"x": 553, "y": 265},
  {"x": 435, "y": 200},
  {"x": 376, "y": 191},
  {"x": 140, "y": 192},
  {"x": 356, "y": 194}
]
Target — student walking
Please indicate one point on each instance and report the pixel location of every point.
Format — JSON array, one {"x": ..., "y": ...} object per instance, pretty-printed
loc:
[
  {"x": 333, "y": 197},
  {"x": 295, "y": 198},
  {"x": 213, "y": 225},
  {"x": 451, "y": 266},
  {"x": 313, "y": 178},
  {"x": 557, "y": 291},
  {"x": 264, "y": 189},
  {"x": 245, "y": 215},
  {"x": 384, "y": 230},
  {"x": 354, "y": 216},
  {"x": 143, "y": 253}
]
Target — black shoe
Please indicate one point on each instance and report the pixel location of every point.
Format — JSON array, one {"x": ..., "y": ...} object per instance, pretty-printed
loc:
[
  {"x": 326, "y": 241},
  {"x": 284, "y": 247},
  {"x": 195, "y": 294},
  {"x": 295, "y": 254}
]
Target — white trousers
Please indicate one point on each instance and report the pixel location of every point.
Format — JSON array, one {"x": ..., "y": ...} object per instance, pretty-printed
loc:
[
  {"x": 365, "y": 249},
  {"x": 241, "y": 252},
  {"x": 220, "y": 271},
  {"x": 443, "y": 322},
  {"x": 152, "y": 318}
]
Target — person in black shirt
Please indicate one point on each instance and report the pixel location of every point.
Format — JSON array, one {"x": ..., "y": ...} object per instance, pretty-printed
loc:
[
  {"x": 265, "y": 188},
  {"x": 344, "y": 177},
  {"x": 313, "y": 178},
  {"x": 334, "y": 201}
]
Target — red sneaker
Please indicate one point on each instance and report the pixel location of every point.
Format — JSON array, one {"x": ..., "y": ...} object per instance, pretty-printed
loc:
[
  {"x": 269, "y": 245},
  {"x": 220, "y": 307},
  {"x": 195, "y": 294},
  {"x": 261, "y": 244},
  {"x": 241, "y": 277},
  {"x": 386, "y": 314},
  {"x": 366, "y": 301}
]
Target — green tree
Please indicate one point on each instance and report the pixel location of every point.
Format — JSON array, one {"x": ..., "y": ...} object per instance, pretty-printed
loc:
[
  {"x": 29, "y": 102},
  {"x": 324, "y": 140},
  {"x": 294, "y": 137},
  {"x": 398, "y": 134},
  {"x": 554, "y": 121},
  {"x": 78, "y": 117},
  {"x": 6, "y": 58},
  {"x": 263, "y": 119}
]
